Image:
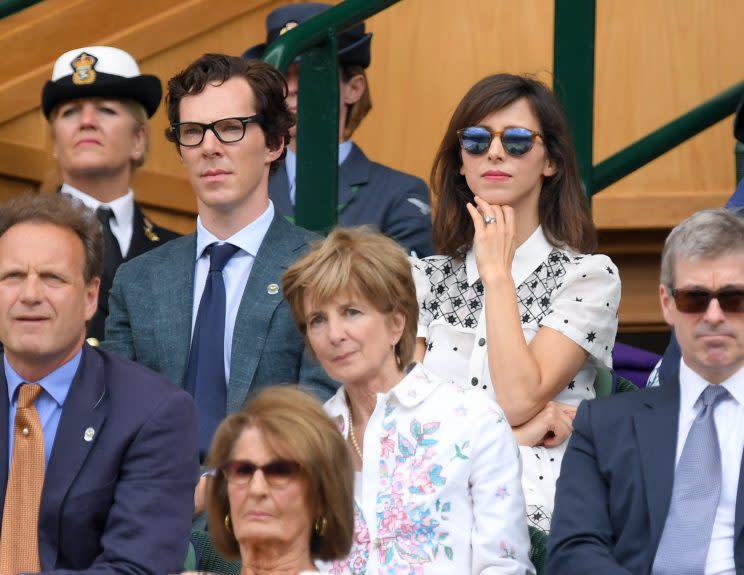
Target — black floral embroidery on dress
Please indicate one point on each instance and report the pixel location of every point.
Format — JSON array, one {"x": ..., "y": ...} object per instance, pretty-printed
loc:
[{"x": 460, "y": 304}]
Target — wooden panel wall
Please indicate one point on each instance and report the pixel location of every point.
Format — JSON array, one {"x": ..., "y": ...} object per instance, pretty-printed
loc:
[{"x": 654, "y": 61}]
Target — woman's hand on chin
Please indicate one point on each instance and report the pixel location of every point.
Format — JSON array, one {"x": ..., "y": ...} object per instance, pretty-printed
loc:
[{"x": 494, "y": 243}]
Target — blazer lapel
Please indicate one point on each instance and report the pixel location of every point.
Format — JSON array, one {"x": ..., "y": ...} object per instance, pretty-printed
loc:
[
  {"x": 173, "y": 294},
  {"x": 140, "y": 244},
  {"x": 352, "y": 174},
  {"x": 656, "y": 437},
  {"x": 260, "y": 299},
  {"x": 3, "y": 439},
  {"x": 279, "y": 192},
  {"x": 85, "y": 409}
]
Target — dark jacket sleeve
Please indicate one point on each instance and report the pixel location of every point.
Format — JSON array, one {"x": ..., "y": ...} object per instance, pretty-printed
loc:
[{"x": 581, "y": 535}]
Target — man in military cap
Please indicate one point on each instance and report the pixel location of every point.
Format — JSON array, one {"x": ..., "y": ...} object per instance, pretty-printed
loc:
[
  {"x": 368, "y": 193},
  {"x": 97, "y": 104}
]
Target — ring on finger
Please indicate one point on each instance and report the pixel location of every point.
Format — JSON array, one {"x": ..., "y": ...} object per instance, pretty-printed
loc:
[{"x": 489, "y": 219}]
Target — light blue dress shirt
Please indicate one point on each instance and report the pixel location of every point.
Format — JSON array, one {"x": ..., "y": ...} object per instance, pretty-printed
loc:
[
  {"x": 49, "y": 403},
  {"x": 290, "y": 161},
  {"x": 235, "y": 272}
]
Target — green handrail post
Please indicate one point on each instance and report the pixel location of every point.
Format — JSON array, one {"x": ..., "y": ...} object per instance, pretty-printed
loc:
[
  {"x": 316, "y": 183},
  {"x": 573, "y": 75},
  {"x": 316, "y": 191},
  {"x": 660, "y": 141},
  {"x": 9, "y": 7}
]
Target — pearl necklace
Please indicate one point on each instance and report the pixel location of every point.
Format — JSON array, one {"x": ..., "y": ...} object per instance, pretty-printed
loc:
[{"x": 353, "y": 437}]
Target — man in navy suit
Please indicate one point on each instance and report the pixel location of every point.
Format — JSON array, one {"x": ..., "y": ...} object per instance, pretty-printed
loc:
[
  {"x": 643, "y": 468},
  {"x": 395, "y": 203},
  {"x": 230, "y": 124},
  {"x": 115, "y": 443}
]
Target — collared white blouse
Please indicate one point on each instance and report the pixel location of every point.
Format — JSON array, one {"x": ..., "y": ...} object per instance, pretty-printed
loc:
[
  {"x": 575, "y": 294},
  {"x": 440, "y": 490}
]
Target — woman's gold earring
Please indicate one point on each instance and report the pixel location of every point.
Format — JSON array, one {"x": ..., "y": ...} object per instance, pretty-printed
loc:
[
  {"x": 320, "y": 526},
  {"x": 228, "y": 525}
]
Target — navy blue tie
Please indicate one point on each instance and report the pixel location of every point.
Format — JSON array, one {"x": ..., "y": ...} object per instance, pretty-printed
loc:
[{"x": 205, "y": 376}]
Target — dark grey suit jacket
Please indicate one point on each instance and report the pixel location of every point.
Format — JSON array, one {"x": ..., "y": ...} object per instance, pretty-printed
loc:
[
  {"x": 615, "y": 487},
  {"x": 151, "y": 304},
  {"x": 369, "y": 193}
]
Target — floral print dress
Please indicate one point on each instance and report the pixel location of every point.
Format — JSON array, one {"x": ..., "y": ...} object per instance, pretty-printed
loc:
[
  {"x": 575, "y": 294},
  {"x": 440, "y": 491}
]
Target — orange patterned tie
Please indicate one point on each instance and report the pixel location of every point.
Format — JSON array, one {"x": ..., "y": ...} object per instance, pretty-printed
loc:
[{"x": 19, "y": 544}]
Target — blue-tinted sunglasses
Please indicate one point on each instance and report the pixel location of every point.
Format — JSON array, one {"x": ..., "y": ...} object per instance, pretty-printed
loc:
[{"x": 476, "y": 140}]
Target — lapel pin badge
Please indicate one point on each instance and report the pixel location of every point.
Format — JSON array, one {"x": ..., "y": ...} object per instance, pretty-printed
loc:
[
  {"x": 272, "y": 289},
  {"x": 89, "y": 433}
]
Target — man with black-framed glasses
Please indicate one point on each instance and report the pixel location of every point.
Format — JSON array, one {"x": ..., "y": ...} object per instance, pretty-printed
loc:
[
  {"x": 651, "y": 482},
  {"x": 207, "y": 312}
]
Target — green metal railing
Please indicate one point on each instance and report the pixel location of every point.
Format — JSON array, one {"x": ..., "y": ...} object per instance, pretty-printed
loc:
[
  {"x": 317, "y": 134},
  {"x": 9, "y": 7},
  {"x": 573, "y": 60},
  {"x": 573, "y": 66}
]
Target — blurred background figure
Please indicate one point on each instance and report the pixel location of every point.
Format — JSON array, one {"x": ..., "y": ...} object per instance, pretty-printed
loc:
[
  {"x": 97, "y": 104},
  {"x": 282, "y": 495},
  {"x": 515, "y": 307},
  {"x": 397, "y": 204},
  {"x": 437, "y": 470}
]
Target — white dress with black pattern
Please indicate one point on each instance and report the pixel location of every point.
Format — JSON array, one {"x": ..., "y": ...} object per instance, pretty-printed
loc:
[{"x": 575, "y": 294}]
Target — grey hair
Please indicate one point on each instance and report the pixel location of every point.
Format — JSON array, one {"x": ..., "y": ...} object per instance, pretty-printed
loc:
[{"x": 706, "y": 234}]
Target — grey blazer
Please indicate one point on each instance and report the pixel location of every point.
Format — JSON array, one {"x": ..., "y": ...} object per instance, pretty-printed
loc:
[{"x": 151, "y": 304}]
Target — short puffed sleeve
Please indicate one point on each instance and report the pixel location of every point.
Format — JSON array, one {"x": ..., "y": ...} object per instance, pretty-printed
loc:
[{"x": 584, "y": 307}]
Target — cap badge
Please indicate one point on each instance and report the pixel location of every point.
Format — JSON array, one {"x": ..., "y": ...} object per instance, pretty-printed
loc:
[
  {"x": 288, "y": 26},
  {"x": 83, "y": 66}
]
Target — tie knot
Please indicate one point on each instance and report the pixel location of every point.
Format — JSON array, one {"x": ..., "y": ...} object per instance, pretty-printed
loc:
[
  {"x": 219, "y": 255},
  {"x": 712, "y": 394},
  {"x": 105, "y": 214},
  {"x": 28, "y": 394}
]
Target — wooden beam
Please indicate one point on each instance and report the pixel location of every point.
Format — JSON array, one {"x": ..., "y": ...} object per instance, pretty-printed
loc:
[{"x": 144, "y": 28}]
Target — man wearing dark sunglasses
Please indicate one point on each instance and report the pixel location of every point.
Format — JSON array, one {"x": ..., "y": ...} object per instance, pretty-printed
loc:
[{"x": 651, "y": 481}]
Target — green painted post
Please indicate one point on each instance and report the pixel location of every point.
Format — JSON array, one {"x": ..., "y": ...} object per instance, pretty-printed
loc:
[
  {"x": 317, "y": 134},
  {"x": 573, "y": 76},
  {"x": 317, "y": 138}
]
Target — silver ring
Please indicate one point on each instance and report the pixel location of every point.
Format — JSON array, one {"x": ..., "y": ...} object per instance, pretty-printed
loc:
[{"x": 489, "y": 219}]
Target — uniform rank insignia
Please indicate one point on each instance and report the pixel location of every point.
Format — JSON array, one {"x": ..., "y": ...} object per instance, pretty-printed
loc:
[
  {"x": 150, "y": 232},
  {"x": 83, "y": 66}
]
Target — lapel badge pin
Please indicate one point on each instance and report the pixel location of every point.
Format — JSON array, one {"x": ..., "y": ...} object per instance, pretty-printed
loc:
[
  {"x": 272, "y": 289},
  {"x": 89, "y": 433},
  {"x": 150, "y": 232}
]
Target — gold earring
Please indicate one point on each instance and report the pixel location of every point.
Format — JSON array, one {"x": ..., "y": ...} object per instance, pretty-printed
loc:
[
  {"x": 228, "y": 525},
  {"x": 320, "y": 526}
]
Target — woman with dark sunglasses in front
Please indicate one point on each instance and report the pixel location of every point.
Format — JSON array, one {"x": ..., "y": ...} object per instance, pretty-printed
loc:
[
  {"x": 282, "y": 494},
  {"x": 515, "y": 306}
]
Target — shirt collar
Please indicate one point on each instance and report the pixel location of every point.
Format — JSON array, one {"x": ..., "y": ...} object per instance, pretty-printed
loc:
[
  {"x": 122, "y": 207},
  {"x": 412, "y": 390},
  {"x": 693, "y": 384},
  {"x": 247, "y": 239},
  {"x": 56, "y": 384},
  {"x": 533, "y": 250}
]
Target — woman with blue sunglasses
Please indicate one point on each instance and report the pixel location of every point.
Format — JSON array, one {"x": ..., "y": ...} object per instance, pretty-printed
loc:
[{"x": 516, "y": 306}]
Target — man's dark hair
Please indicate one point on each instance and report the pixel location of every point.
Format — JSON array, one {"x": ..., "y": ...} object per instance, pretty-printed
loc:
[
  {"x": 63, "y": 211},
  {"x": 268, "y": 85}
]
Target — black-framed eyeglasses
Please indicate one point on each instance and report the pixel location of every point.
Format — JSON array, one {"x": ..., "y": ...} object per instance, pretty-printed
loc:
[
  {"x": 697, "y": 300},
  {"x": 277, "y": 473},
  {"x": 516, "y": 141},
  {"x": 227, "y": 130}
]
